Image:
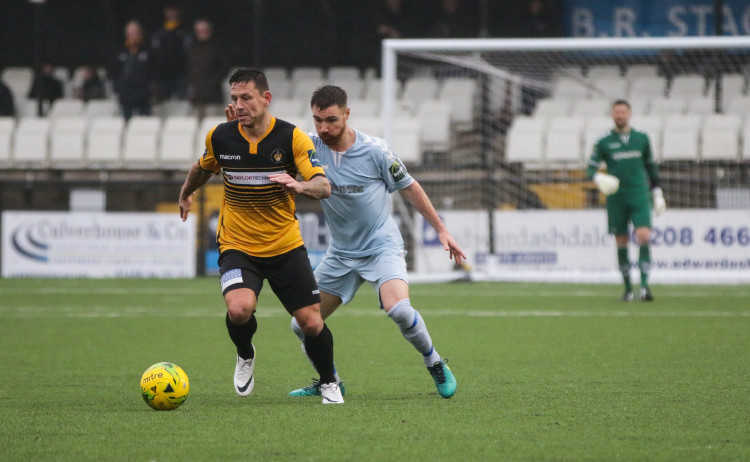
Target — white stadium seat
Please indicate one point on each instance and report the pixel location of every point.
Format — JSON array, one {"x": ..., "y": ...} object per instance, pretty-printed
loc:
[
  {"x": 611, "y": 88},
  {"x": 653, "y": 125},
  {"x": 674, "y": 105},
  {"x": 418, "y": 89},
  {"x": 566, "y": 87},
  {"x": 31, "y": 143},
  {"x": 745, "y": 154},
  {"x": 553, "y": 107},
  {"x": 526, "y": 141},
  {"x": 564, "y": 140},
  {"x": 337, "y": 73},
  {"x": 370, "y": 125},
  {"x": 287, "y": 108},
  {"x": 595, "y": 128},
  {"x": 7, "y": 128},
  {"x": 591, "y": 107},
  {"x": 435, "y": 118},
  {"x": 66, "y": 107},
  {"x": 104, "y": 141},
  {"x": 681, "y": 137},
  {"x": 603, "y": 70},
  {"x": 67, "y": 142},
  {"x": 462, "y": 93},
  {"x": 178, "y": 147},
  {"x": 100, "y": 108},
  {"x": 692, "y": 86},
  {"x": 648, "y": 87},
  {"x": 720, "y": 137},
  {"x": 141, "y": 142},
  {"x": 406, "y": 139}
]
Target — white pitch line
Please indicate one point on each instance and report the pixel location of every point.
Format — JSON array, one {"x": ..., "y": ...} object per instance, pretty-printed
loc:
[{"x": 147, "y": 312}]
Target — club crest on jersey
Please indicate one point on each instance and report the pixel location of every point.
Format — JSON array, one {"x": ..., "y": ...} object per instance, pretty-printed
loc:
[
  {"x": 398, "y": 171},
  {"x": 313, "y": 155},
  {"x": 277, "y": 156}
]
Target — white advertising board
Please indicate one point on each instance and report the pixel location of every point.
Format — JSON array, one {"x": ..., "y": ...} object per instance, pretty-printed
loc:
[
  {"x": 688, "y": 246},
  {"x": 97, "y": 245}
]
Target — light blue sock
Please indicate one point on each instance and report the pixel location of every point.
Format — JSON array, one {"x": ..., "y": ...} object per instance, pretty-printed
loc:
[{"x": 414, "y": 330}]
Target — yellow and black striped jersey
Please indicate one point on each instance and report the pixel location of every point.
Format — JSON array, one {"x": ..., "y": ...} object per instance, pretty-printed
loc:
[{"x": 257, "y": 215}]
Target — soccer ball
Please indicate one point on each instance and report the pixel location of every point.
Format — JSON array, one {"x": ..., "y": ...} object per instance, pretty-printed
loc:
[{"x": 164, "y": 386}]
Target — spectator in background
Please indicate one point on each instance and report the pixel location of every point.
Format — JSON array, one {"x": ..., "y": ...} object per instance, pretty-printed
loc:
[
  {"x": 132, "y": 73},
  {"x": 7, "y": 106},
  {"x": 91, "y": 85},
  {"x": 169, "y": 51},
  {"x": 392, "y": 21},
  {"x": 540, "y": 19},
  {"x": 207, "y": 68},
  {"x": 46, "y": 86},
  {"x": 453, "y": 19}
]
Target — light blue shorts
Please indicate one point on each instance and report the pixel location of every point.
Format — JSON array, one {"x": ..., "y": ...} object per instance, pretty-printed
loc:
[{"x": 342, "y": 276}]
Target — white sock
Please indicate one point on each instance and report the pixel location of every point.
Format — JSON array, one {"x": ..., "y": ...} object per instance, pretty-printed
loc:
[
  {"x": 301, "y": 336},
  {"x": 414, "y": 330}
]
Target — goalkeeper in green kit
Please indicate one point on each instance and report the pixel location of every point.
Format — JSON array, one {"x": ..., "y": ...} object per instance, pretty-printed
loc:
[{"x": 631, "y": 173}]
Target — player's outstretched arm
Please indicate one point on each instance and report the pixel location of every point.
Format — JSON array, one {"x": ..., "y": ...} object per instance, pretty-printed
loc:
[
  {"x": 418, "y": 198},
  {"x": 196, "y": 178},
  {"x": 317, "y": 187}
]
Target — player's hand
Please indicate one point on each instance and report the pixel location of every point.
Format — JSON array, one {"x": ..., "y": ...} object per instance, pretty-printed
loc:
[
  {"x": 229, "y": 112},
  {"x": 607, "y": 184},
  {"x": 454, "y": 251},
  {"x": 660, "y": 204},
  {"x": 287, "y": 182},
  {"x": 185, "y": 204}
]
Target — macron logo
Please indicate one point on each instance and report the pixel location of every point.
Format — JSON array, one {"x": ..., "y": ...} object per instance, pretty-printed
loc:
[{"x": 230, "y": 157}]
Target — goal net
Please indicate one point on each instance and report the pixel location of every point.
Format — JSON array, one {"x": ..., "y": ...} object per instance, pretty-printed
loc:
[{"x": 498, "y": 132}]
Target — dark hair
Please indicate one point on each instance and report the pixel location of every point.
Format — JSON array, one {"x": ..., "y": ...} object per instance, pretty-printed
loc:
[
  {"x": 253, "y": 75},
  {"x": 621, "y": 101},
  {"x": 327, "y": 96}
]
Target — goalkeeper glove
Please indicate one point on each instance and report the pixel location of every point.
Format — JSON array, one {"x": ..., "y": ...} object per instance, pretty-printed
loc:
[
  {"x": 659, "y": 203},
  {"x": 607, "y": 184}
]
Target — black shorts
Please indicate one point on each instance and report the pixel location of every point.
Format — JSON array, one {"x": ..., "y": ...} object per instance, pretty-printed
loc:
[{"x": 290, "y": 276}]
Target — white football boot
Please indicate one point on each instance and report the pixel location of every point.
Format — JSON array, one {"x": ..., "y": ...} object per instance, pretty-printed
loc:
[
  {"x": 244, "y": 378},
  {"x": 331, "y": 393}
]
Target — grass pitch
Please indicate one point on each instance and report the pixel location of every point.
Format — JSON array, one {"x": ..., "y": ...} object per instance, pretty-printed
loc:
[{"x": 545, "y": 372}]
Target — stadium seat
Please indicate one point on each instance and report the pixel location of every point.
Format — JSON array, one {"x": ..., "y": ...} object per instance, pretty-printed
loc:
[
  {"x": 603, "y": 70},
  {"x": 355, "y": 88},
  {"x": 745, "y": 152},
  {"x": 178, "y": 147},
  {"x": 101, "y": 108},
  {"x": 462, "y": 93},
  {"x": 739, "y": 105},
  {"x": 67, "y": 142},
  {"x": 405, "y": 139},
  {"x": 66, "y": 107},
  {"x": 18, "y": 79},
  {"x": 435, "y": 118},
  {"x": 363, "y": 108},
  {"x": 303, "y": 89},
  {"x": 703, "y": 105},
  {"x": 418, "y": 89},
  {"x": 640, "y": 106},
  {"x": 31, "y": 143},
  {"x": 591, "y": 107},
  {"x": 7, "y": 128},
  {"x": 276, "y": 74},
  {"x": 691, "y": 86},
  {"x": 720, "y": 137},
  {"x": 346, "y": 73},
  {"x": 674, "y": 105},
  {"x": 648, "y": 87},
  {"x": 732, "y": 86},
  {"x": 564, "y": 140},
  {"x": 370, "y": 125},
  {"x": 207, "y": 124},
  {"x": 681, "y": 137},
  {"x": 303, "y": 73},
  {"x": 576, "y": 72},
  {"x": 141, "y": 142},
  {"x": 635, "y": 71},
  {"x": 611, "y": 88},
  {"x": 104, "y": 141},
  {"x": 526, "y": 141},
  {"x": 287, "y": 108},
  {"x": 566, "y": 87},
  {"x": 173, "y": 108},
  {"x": 373, "y": 89},
  {"x": 553, "y": 107},
  {"x": 653, "y": 125},
  {"x": 26, "y": 108},
  {"x": 594, "y": 128}
]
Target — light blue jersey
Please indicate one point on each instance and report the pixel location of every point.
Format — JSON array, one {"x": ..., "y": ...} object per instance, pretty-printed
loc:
[{"x": 359, "y": 209}]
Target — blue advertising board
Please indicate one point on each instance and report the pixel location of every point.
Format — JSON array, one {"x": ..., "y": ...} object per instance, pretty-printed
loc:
[{"x": 653, "y": 18}]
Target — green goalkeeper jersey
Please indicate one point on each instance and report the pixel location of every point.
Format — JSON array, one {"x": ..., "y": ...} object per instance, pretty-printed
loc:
[{"x": 628, "y": 157}]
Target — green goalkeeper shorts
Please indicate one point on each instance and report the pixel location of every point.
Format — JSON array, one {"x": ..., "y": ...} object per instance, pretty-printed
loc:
[{"x": 633, "y": 208}]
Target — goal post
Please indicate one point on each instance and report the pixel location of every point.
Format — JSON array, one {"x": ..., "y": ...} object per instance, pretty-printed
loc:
[{"x": 510, "y": 181}]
